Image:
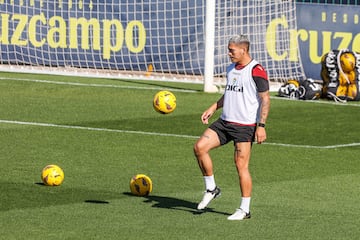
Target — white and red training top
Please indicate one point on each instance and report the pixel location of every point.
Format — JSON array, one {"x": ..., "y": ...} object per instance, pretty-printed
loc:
[{"x": 241, "y": 99}]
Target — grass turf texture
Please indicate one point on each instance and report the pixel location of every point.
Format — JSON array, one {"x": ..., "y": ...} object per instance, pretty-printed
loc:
[{"x": 299, "y": 192}]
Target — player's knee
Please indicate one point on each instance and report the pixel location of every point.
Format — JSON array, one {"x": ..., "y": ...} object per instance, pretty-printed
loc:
[
  {"x": 196, "y": 149},
  {"x": 243, "y": 170},
  {"x": 199, "y": 148},
  {"x": 242, "y": 164}
]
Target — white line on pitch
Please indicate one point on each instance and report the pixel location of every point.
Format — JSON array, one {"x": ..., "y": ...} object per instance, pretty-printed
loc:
[
  {"x": 317, "y": 147},
  {"x": 95, "y": 84},
  {"x": 329, "y": 102},
  {"x": 159, "y": 88},
  {"x": 96, "y": 129},
  {"x": 162, "y": 134}
]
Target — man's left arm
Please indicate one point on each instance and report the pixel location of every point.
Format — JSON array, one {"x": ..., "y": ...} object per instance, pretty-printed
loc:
[
  {"x": 264, "y": 112},
  {"x": 262, "y": 83}
]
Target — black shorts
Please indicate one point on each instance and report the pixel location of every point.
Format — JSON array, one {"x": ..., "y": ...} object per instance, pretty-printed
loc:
[{"x": 228, "y": 131}]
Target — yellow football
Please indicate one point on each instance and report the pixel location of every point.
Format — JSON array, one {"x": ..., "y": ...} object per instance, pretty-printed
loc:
[
  {"x": 164, "y": 102},
  {"x": 140, "y": 185},
  {"x": 52, "y": 175}
]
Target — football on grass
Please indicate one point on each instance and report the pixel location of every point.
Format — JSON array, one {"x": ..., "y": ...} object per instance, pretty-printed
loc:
[
  {"x": 52, "y": 175},
  {"x": 164, "y": 102},
  {"x": 140, "y": 185}
]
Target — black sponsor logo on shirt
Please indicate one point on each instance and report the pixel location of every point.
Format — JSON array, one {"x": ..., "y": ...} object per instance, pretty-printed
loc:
[{"x": 234, "y": 88}]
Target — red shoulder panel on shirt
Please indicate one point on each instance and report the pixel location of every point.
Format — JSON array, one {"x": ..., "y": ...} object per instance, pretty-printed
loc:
[{"x": 259, "y": 71}]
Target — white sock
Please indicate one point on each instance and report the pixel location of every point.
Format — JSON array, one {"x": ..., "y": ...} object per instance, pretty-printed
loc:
[
  {"x": 209, "y": 182},
  {"x": 245, "y": 204}
]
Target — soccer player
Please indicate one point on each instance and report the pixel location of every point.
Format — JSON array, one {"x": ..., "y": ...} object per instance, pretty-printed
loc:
[{"x": 245, "y": 106}]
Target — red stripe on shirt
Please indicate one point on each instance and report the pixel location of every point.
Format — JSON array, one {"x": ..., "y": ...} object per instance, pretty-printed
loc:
[
  {"x": 259, "y": 71},
  {"x": 241, "y": 124}
]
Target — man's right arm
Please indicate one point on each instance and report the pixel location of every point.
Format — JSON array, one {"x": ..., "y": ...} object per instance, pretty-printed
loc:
[{"x": 210, "y": 111}]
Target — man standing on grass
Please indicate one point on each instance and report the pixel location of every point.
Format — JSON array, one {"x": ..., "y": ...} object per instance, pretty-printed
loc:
[{"x": 246, "y": 104}]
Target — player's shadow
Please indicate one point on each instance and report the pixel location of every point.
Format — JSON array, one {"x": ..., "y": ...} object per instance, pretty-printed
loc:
[{"x": 176, "y": 204}]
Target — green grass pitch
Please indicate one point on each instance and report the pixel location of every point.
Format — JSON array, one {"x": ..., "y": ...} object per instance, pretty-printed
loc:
[{"x": 306, "y": 178}]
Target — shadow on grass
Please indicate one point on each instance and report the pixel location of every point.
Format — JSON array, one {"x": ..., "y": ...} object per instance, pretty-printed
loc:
[
  {"x": 172, "y": 124},
  {"x": 96, "y": 201},
  {"x": 172, "y": 203},
  {"x": 21, "y": 195}
]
